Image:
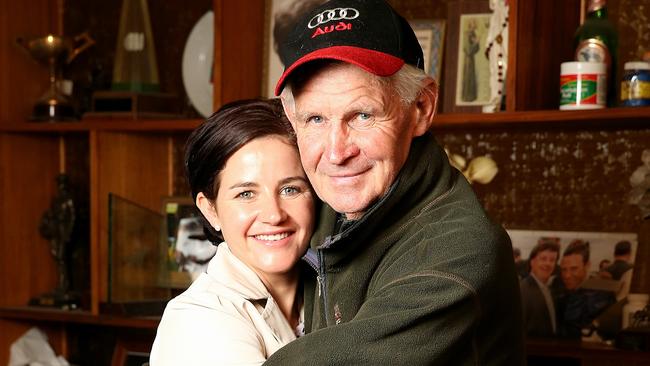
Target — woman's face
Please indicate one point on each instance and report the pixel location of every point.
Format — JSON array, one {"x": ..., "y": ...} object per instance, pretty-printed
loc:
[{"x": 265, "y": 206}]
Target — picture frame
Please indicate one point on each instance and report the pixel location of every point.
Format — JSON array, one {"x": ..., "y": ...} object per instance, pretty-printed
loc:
[
  {"x": 131, "y": 352},
  {"x": 431, "y": 36},
  {"x": 279, "y": 17},
  {"x": 463, "y": 93},
  {"x": 596, "y": 276},
  {"x": 185, "y": 251}
]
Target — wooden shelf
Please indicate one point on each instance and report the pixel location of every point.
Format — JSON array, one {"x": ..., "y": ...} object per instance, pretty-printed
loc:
[
  {"x": 30, "y": 314},
  {"x": 103, "y": 125},
  {"x": 583, "y": 350},
  {"x": 614, "y": 118}
]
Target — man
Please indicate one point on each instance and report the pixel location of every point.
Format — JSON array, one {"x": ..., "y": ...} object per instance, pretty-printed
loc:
[
  {"x": 579, "y": 306},
  {"x": 575, "y": 264},
  {"x": 622, "y": 257},
  {"x": 538, "y": 304},
  {"x": 522, "y": 267},
  {"x": 410, "y": 269}
]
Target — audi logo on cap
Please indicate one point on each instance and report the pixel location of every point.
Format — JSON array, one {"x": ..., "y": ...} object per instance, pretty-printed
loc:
[{"x": 332, "y": 14}]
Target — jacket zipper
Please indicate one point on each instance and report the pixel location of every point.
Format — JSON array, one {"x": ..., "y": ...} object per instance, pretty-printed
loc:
[
  {"x": 312, "y": 261},
  {"x": 322, "y": 286}
]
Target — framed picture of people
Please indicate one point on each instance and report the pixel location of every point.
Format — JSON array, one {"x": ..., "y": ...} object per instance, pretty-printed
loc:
[
  {"x": 280, "y": 18},
  {"x": 473, "y": 70},
  {"x": 431, "y": 36},
  {"x": 466, "y": 86},
  {"x": 573, "y": 284},
  {"x": 185, "y": 249}
]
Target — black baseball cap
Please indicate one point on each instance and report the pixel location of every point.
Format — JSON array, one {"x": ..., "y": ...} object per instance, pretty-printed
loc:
[{"x": 365, "y": 33}]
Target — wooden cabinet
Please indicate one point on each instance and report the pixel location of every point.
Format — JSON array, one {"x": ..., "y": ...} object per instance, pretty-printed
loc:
[
  {"x": 141, "y": 160},
  {"x": 138, "y": 160}
]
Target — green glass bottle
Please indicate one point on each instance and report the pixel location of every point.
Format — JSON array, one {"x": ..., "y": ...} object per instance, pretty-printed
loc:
[{"x": 596, "y": 40}]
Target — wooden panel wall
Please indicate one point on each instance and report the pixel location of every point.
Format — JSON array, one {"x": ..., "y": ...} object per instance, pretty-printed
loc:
[
  {"x": 133, "y": 166},
  {"x": 27, "y": 265},
  {"x": 575, "y": 180},
  {"x": 238, "y": 50},
  {"x": 544, "y": 40},
  {"x": 20, "y": 214},
  {"x": 22, "y": 80}
]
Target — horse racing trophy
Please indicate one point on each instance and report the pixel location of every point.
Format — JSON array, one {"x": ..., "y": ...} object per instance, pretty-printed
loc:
[{"x": 55, "y": 51}]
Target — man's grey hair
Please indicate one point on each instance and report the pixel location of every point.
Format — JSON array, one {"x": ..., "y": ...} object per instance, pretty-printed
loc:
[{"x": 407, "y": 84}]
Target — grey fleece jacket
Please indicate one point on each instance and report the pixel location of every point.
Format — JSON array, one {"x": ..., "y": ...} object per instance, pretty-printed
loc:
[{"x": 423, "y": 278}]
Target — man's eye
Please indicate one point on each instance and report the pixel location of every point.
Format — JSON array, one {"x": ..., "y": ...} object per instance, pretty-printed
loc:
[
  {"x": 315, "y": 119},
  {"x": 362, "y": 120}
]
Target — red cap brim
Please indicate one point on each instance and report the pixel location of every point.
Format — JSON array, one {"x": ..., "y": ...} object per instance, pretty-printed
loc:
[{"x": 375, "y": 62}]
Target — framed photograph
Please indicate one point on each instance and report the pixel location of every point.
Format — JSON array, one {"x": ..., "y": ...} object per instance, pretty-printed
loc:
[
  {"x": 431, "y": 36},
  {"x": 185, "y": 248},
  {"x": 280, "y": 18},
  {"x": 586, "y": 275},
  {"x": 131, "y": 353},
  {"x": 467, "y": 73}
]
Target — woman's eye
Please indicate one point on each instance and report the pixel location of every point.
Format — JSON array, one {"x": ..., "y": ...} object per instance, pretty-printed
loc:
[
  {"x": 364, "y": 116},
  {"x": 290, "y": 191},
  {"x": 245, "y": 195}
]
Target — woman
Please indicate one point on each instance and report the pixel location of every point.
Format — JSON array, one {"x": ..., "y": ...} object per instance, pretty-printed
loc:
[{"x": 246, "y": 179}]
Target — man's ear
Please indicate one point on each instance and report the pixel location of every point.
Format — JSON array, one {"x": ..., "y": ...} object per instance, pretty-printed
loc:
[
  {"x": 425, "y": 107},
  {"x": 208, "y": 210},
  {"x": 289, "y": 106}
]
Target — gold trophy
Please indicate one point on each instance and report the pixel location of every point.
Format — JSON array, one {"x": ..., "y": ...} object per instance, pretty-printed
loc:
[{"x": 55, "y": 51}]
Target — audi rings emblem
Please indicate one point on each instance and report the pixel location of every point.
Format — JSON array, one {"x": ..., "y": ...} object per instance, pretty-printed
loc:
[{"x": 332, "y": 14}]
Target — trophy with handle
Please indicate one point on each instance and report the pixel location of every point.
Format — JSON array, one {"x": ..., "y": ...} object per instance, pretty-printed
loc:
[{"x": 54, "y": 51}]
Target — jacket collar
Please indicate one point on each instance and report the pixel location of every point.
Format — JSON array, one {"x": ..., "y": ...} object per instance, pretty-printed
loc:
[{"x": 226, "y": 269}]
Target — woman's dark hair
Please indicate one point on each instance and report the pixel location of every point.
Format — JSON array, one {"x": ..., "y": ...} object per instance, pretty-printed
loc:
[{"x": 221, "y": 135}]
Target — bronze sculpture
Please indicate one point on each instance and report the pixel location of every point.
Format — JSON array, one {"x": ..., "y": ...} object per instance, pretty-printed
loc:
[{"x": 56, "y": 226}]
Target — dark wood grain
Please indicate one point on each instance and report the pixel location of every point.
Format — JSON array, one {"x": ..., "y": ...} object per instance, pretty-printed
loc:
[{"x": 544, "y": 40}]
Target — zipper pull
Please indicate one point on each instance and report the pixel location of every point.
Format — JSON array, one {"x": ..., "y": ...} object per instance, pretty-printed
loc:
[{"x": 318, "y": 283}]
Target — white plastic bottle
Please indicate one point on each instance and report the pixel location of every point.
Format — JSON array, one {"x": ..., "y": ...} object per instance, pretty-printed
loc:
[{"x": 635, "y": 302}]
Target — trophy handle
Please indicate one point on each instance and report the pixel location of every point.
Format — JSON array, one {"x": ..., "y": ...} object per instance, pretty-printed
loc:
[
  {"x": 86, "y": 40},
  {"x": 22, "y": 42}
]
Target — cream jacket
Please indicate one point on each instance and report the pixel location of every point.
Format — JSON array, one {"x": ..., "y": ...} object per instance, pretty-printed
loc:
[{"x": 226, "y": 317}]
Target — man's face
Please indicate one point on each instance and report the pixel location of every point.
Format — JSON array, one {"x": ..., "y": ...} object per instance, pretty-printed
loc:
[
  {"x": 574, "y": 270},
  {"x": 354, "y": 136},
  {"x": 543, "y": 264}
]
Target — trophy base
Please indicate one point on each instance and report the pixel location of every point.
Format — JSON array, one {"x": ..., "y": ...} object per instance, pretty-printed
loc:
[
  {"x": 63, "y": 301},
  {"x": 59, "y": 112},
  {"x": 109, "y": 104}
]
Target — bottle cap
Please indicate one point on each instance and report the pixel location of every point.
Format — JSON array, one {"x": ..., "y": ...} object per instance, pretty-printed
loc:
[{"x": 637, "y": 65}]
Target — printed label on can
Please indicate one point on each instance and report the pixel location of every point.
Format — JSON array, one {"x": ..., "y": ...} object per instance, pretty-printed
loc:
[
  {"x": 584, "y": 89},
  {"x": 635, "y": 89}
]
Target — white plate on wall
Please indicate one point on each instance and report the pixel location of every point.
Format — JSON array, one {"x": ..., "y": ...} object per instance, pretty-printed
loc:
[{"x": 198, "y": 58}]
